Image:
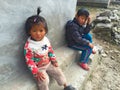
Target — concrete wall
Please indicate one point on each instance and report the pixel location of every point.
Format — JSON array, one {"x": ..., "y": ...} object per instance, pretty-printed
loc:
[
  {"x": 12, "y": 35},
  {"x": 96, "y": 3}
]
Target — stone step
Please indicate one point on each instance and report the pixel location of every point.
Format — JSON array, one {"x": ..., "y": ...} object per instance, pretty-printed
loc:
[
  {"x": 75, "y": 75},
  {"x": 65, "y": 56},
  {"x": 20, "y": 78}
]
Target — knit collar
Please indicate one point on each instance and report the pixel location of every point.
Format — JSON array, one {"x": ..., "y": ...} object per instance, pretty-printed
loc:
[{"x": 35, "y": 42}]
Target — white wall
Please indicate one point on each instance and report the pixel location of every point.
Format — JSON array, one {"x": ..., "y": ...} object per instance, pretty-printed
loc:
[{"x": 13, "y": 14}]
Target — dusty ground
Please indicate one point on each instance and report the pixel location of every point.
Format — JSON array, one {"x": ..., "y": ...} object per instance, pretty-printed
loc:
[{"x": 106, "y": 76}]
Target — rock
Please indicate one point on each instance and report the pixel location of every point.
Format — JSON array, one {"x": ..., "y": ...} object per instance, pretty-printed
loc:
[
  {"x": 104, "y": 26},
  {"x": 112, "y": 57},
  {"x": 106, "y": 52},
  {"x": 107, "y": 24},
  {"x": 104, "y": 55},
  {"x": 102, "y": 20},
  {"x": 114, "y": 17},
  {"x": 116, "y": 35},
  {"x": 106, "y": 13}
]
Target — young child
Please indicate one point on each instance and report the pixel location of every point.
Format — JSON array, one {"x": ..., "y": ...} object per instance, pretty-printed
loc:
[
  {"x": 39, "y": 54},
  {"x": 78, "y": 36}
]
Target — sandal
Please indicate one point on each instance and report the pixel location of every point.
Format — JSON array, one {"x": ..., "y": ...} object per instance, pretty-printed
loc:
[{"x": 84, "y": 66}]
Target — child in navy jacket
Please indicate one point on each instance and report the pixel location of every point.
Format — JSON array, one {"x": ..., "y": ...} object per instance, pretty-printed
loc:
[{"x": 78, "y": 36}]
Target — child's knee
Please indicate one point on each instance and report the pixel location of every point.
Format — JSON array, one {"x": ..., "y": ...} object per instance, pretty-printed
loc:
[
  {"x": 89, "y": 37},
  {"x": 43, "y": 82}
]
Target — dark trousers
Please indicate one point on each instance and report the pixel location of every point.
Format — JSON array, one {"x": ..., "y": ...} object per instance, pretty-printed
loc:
[{"x": 86, "y": 50}]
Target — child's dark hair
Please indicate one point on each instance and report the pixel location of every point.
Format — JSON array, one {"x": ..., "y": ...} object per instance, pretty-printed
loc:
[
  {"x": 35, "y": 19},
  {"x": 82, "y": 11}
]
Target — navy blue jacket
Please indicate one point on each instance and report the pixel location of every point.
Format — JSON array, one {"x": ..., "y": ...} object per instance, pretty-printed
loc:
[{"x": 74, "y": 32}]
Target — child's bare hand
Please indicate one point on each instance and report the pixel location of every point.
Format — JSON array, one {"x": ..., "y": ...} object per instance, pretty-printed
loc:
[
  {"x": 55, "y": 64},
  {"x": 40, "y": 76},
  {"x": 88, "y": 20},
  {"x": 91, "y": 45}
]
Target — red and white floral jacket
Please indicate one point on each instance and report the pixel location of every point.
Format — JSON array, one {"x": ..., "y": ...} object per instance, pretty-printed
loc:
[{"x": 38, "y": 54}]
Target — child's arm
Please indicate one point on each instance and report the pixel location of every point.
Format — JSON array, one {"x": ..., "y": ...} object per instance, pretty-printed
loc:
[
  {"x": 78, "y": 38},
  {"x": 52, "y": 57},
  {"x": 88, "y": 26},
  {"x": 88, "y": 20},
  {"x": 31, "y": 65}
]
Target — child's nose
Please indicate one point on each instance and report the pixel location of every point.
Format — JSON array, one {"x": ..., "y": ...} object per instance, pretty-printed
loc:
[{"x": 38, "y": 32}]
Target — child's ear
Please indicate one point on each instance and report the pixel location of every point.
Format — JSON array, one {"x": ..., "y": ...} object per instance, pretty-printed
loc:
[{"x": 76, "y": 16}]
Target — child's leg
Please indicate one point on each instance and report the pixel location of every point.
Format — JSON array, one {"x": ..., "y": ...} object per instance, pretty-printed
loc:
[
  {"x": 43, "y": 85},
  {"x": 88, "y": 37},
  {"x": 84, "y": 58},
  {"x": 86, "y": 52},
  {"x": 57, "y": 74}
]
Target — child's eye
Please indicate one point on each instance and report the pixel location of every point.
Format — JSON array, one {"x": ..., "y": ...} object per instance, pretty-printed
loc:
[
  {"x": 41, "y": 30},
  {"x": 34, "y": 30}
]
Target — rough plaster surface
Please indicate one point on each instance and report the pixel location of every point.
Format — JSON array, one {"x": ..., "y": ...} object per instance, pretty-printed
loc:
[{"x": 12, "y": 18}]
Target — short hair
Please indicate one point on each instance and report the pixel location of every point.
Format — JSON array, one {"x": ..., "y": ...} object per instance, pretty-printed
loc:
[
  {"x": 82, "y": 11},
  {"x": 35, "y": 19}
]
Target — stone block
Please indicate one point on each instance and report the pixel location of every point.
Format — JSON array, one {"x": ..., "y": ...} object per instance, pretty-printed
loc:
[{"x": 96, "y": 3}]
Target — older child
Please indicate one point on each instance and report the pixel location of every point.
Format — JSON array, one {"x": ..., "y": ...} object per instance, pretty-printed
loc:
[
  {"x": 39, "y": 54},
  {"x": 78, "y": 36}
]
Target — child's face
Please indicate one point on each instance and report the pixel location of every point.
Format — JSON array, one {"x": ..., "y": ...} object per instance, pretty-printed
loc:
[
  {"x": 82, "y": 19},
  {"x": 37, "y": 32}
]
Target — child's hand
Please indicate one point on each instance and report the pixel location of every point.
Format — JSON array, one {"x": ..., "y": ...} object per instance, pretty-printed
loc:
[
  {"x": 55, "y": 64},
  {"x": 40, "y": 76},
  {"x": 91, "y": 45},
  {"x": 88, "y": 20}
]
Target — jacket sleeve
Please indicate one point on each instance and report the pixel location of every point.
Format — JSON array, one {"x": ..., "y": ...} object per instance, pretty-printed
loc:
[
  {"x": 51, "y": 54},
  {"x": 77, "y": 36},
  {"x": 30, "y": 63},
  {"x": 87, "y": 29}
]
